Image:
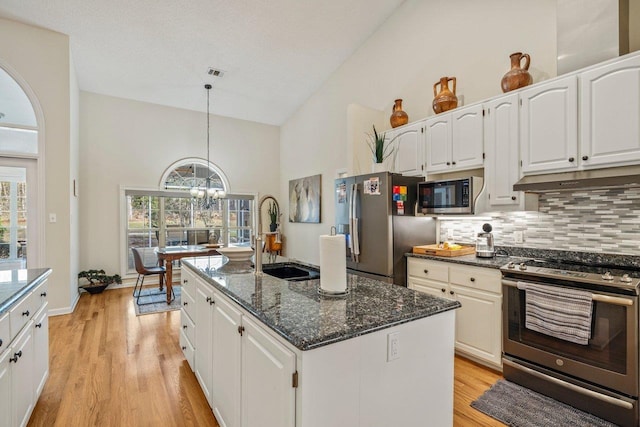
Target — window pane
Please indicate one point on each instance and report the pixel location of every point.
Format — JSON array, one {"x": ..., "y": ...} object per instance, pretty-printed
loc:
[
  {"x": 143, "y": 212},
  {"x": 22, "y": 141}
]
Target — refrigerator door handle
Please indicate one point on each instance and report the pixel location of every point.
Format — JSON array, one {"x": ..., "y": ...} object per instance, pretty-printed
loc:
[
  {"x": 355, "y": 233},
  {"x": 350, "y": 241}
]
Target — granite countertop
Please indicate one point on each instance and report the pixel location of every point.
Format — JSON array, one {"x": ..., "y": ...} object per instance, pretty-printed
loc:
[
  {"x": 308, "y": 320},
  {"x": 518, "y": 255},
  {"x": 14, "y": 284}
]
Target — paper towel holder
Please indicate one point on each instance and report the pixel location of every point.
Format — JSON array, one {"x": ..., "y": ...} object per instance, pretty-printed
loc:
[{"x": 324, "y": 293}]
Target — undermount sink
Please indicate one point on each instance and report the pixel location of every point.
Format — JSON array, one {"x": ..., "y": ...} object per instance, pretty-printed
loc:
[{"x": 290, "y": 271}]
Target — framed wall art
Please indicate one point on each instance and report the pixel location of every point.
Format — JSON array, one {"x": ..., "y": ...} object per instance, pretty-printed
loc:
[{"x": 304, "y": 199}]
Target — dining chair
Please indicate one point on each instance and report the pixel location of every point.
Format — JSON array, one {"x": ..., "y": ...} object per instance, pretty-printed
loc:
[{"x": 144, "y": 271}]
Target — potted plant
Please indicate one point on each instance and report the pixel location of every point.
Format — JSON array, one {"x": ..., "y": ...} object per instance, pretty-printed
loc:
[
  {"x": 273, "y": 215},
  {"x": 380, "y": 148},
  {"x": 96, "y": 281}
]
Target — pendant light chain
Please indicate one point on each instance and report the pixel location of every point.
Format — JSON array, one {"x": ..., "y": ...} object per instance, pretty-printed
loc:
[{"x": 208, "y": 88}]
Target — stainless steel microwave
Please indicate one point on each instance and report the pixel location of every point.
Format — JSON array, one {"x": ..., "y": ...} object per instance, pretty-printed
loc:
[{"x": 451, "y": 196}]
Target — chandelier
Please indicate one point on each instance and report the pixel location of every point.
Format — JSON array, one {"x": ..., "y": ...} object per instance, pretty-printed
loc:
[{"x": 208, "y": 196}]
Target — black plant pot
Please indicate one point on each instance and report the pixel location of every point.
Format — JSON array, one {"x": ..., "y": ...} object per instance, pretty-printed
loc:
[{"x": 95, "y": 289}]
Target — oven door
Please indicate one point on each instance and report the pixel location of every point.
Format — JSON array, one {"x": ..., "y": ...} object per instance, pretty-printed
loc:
[{"x": 611, "y": 357}]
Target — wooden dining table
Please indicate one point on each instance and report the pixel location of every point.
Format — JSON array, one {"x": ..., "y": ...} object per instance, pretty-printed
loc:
[{"x": 169, "y": 254}]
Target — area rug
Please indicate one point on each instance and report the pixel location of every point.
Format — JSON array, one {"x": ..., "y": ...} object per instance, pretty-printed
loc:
[
  {"x": 518, "y": 406},
  {"x": 153, "y": 302}
]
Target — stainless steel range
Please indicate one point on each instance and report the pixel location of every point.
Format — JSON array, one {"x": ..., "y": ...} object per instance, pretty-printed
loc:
[{"x": 599, "y": 375}]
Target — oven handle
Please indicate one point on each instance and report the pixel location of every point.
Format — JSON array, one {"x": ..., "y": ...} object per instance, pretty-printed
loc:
[
  {"x": 573, "y": 387},
  {"x": 595, "y": 297}
]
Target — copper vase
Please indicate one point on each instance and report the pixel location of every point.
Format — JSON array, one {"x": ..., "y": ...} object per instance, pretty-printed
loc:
[
  {"x": 446, "y": 99},
  {"x": 518, "y": 76},
  {"x": 398, "y": 116}
]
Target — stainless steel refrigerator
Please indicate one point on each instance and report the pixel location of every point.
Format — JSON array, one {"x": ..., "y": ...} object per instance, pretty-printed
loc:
[{"x": 376, "y": 213}]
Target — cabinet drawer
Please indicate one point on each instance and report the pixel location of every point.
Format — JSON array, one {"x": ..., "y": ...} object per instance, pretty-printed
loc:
[
  {"x": 188, "y": 281},
  {"x": 189, "y": 303},
  {"x": 5, "y": 332},
  {"x": 428, "y": 270},
  {"x": 437, "y": 289},
  {"x": 187, "y": 349},
  {"x": 477, "y": 278},
  {"x": 20, "y": 314},
  {"x": 187, "y": 326},
  {"x": 39, "y": 295}
]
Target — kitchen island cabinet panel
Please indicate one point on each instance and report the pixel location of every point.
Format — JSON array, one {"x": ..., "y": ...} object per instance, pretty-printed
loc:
[
  {"x": 5, "y": 388},
  {"x": 22, "y": 377},
  {"x": 268, "y": 393},
  {"x": 41, "y": 348},
  {"x": 306, "y": 360},
  {"x": 226, "y": 362},
  {"x": 204, "y": 337}
]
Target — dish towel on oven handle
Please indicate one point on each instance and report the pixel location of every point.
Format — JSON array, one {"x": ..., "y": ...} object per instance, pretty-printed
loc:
[{"x": 559, "y": 312}]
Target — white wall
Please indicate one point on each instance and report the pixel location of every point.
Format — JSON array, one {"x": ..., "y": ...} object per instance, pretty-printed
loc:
[
  {"x": 74, "y": 158},
  {"x": 131, "y": 143},
  {"x": 41, "y": 58},
  {"x": 420, "y": 43}
]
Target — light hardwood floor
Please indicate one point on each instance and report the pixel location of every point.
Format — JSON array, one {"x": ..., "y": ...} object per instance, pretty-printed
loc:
[{"x": 109, "y": 367}]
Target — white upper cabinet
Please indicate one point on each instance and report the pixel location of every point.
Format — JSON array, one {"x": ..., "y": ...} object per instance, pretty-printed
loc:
[
  {"x": 408, "y": 149},
  {"x": 502, "y": 168},
  {"x": 549, "y": 126},
  {"x": 454, "y": 140},
  {"x": 467, "y": 141},
  {"x": 609, "y": 114},
  {"x": 438, "y": 143}
]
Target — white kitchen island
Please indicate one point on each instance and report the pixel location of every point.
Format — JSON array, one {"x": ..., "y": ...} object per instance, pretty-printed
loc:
[{"x": 269, "y": 352}]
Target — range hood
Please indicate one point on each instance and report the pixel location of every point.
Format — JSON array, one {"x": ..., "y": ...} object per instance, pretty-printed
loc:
[{"x": 621, "y": 177}]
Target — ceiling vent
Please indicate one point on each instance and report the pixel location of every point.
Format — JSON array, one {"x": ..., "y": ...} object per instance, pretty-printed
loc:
[{"x": 215, "y": 72}]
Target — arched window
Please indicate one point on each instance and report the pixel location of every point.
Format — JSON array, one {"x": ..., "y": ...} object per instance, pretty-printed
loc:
[
  {"x": 18, "y": 124},
  {"x": 176, "y": 215}
]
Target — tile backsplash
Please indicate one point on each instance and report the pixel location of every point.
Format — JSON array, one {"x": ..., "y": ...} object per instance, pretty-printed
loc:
[{"x": 589, "y": 220}]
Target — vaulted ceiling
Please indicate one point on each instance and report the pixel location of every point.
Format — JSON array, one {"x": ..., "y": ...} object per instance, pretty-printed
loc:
[{"x": 274, "y": 53}]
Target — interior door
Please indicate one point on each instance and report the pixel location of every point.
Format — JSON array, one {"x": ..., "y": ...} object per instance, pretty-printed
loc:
[{"x": 18, "y": 213}]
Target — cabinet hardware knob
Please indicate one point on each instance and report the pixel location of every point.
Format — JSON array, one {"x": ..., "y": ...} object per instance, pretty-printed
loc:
[
  {"x": 426, "y": 271},
  {"x": 240, "y": 329},
  {"x": 185, "y": 281},
  {"x": 13, "y": 359},
  {"x": 39, "y": 325},
  {"x": 571, "y": 159},
  {"x": 208, "y": 299},
  {"x": 451, "y": 292},
  {"x": 585, "y": 157},
  {"x": 184, "y": 348},
  {"x": 211, "y": 302},
  {"x": 185, "y": 303},
  {"x": 473, "y": 279},
  {"x": 448, "y": 163},
  {"x": 513, "y": 197},
  {"x": 25, "y": 313},
  {"x": 443, "y": 290},
  {"x": 0, "y": 342},
  {"x": 184, "y": 326},
  {"x": 453, "y": 163},
  {"x": 44, "y": 294},
  {"x": 19, "y": 354}
]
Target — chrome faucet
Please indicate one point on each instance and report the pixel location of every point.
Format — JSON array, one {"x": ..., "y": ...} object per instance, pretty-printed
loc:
[{"x": 258, "y": 239}]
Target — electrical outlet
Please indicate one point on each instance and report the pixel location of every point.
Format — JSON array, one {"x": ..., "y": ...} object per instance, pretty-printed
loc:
[
  {"x": 393, "y": 346},
  {"x": 518, "y": 236},
  {"x": 449, "y": 234}
]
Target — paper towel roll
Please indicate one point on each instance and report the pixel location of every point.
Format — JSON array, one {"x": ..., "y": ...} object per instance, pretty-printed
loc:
[{"x": 333, "y": 263}]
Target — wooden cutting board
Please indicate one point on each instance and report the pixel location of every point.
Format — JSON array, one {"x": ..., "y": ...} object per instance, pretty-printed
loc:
[{"x": 437, "y": 251}]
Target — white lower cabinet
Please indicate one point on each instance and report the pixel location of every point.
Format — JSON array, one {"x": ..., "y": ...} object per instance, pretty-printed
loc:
[
  {"x": 226, "y": 362},
  {"x": 41, "y": 348},
  {"x": 5, "y": 388},
  {"x": 204, "y": 341},
  {"x": 478, "y": 289},
  {"x": 268, "y": 395},
  {"x": 22, "y": 377}
]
